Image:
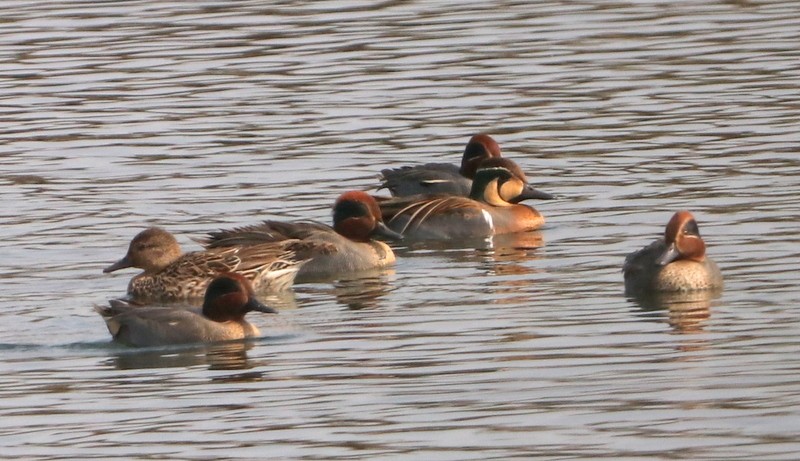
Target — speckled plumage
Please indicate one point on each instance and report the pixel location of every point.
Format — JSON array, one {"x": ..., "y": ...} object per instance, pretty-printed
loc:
[
  {"x": 332, "y": 251},
  {"x": 171, "y": 276},
  {"x": 690, "y": 270}
]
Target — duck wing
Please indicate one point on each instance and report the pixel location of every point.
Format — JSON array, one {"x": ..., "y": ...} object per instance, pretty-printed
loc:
[
  {"x": 268, "y": 231},
  {"x": 430, "y": 178},
  {"x": 404, "y": 213},
  {"x": 155, "y": 326},
  {"x": 642, "y": 261}
]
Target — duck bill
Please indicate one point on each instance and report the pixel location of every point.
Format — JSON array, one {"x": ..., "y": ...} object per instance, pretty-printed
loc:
[
  {"x": 529, "y": 193},
  {"x": 381, "y": 230},
  {"x": 256, "y": 305},
  {"x": 121, "y": 264},
  {"x": 669, "y": 255}
]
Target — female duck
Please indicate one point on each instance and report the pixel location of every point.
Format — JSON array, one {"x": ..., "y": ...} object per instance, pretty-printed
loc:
[
  {"x": 441, "y": 178},
  {"x": 346, "y": 247},
  {"x": 676, "y": 262},
  {"x": 492, "y": 207},
  {"x": 170, "y": 276},
  {"x": 228, "y": 299}
]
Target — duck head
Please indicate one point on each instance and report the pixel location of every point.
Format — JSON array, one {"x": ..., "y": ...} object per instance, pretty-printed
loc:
[
  {"x": 230, "y": 296},
  {"x": 501, "y": 182},
  {"x": 357, "y": 216},
  {"x": 683, "y": 240},
  {"x": 152, "y": 250},
  {"x": 479, "y": 148}
]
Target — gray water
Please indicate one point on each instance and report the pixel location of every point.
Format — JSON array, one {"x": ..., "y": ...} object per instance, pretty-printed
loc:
[{"x": 202, "y": 115}]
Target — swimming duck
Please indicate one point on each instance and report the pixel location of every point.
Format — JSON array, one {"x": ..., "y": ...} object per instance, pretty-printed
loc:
[
  {"x": 172, "y": 276},
  {"x": 441, "y": 178},
  {"x": 346, "y": 247},
  {"x": 228, "y": 298},
  {"x": 492, "y": 207},
  {"x": 677, "y": 262}
]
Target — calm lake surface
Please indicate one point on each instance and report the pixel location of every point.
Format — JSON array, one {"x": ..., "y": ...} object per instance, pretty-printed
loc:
[{"x": 196, "y": 116}]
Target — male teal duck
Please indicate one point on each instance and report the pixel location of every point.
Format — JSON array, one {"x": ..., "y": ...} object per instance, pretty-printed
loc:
[
  {"x": 228, "y": 298},
  {"x": 441, "y": 178},
  {"x": 492, "y": 207},
  {"x": 347, "y": 247},
  {"x": 171, "y": 276},
  {"x": 675, "y": 263}
]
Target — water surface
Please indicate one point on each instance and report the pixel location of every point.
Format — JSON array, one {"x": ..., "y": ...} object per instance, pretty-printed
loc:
[{"x": 196, "y": 116}]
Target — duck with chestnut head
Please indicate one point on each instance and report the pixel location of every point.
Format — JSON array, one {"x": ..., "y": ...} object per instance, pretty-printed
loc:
[
  {"x": 492, "y": 207},
  {"x": 441, "y": 178},
  {"x": 228, "y": 298},
  {"x": 675, "y": 263},
  {"x": 349, "y": 246}
]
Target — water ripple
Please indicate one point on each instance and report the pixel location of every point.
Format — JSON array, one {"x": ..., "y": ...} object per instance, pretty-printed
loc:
[{"x": 198, "y": 116}]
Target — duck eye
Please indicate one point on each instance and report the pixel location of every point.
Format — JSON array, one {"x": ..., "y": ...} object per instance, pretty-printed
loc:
[
  {"x": 691, "y": 228},
  {"x": 349, "y": 209}
]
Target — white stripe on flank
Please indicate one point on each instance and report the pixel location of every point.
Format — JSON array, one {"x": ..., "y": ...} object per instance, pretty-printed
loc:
[{"x": 488, "y": 218}]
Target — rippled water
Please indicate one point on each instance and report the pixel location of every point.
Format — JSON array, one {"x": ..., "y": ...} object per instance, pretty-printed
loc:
[{"x": 200, "y": 115}]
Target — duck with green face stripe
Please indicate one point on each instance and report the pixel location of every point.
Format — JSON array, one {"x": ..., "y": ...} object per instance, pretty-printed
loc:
[{"x": 492, "y": 207}]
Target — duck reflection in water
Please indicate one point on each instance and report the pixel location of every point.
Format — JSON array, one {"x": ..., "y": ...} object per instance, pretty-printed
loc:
[
  {"x": 364, "y": 292},
  {"x": 506, "y": 253},
  {"x": 687, "y": 312},
  {"x": 674, "y": 273},
  {"x": 219, "y": 356},
  {"x": 506, "y": 260},
  {"x": 503, "y": 262},
  {"x": 501, "y": 254}
]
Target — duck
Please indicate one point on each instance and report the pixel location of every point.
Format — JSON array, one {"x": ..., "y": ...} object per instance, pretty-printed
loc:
[
  {"x": 492, "y": 207},
  {"x": 675, "y": 263},
  {"x": 172, "y": 276},
  {"x": 228, "y": 298},
  {"x": 441, "y": 178},
  {"x": 347, "y": 247}
]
